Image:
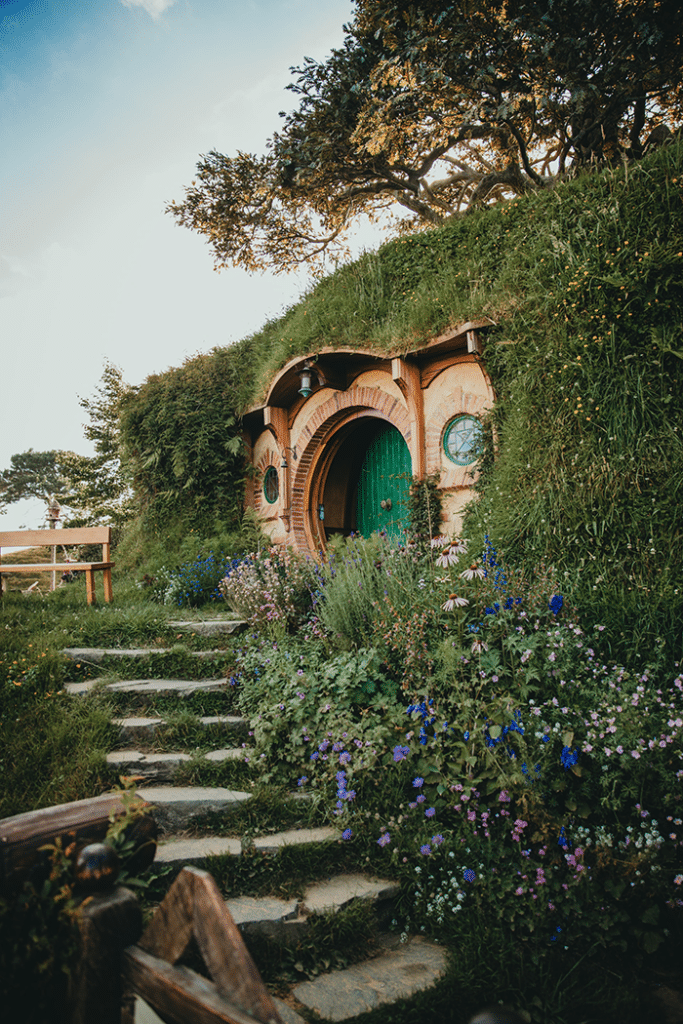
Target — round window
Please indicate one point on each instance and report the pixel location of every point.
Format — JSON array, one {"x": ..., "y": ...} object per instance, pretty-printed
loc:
[
  {"x": 271, "y": 485},
  {"x": 462, "y": 440}
]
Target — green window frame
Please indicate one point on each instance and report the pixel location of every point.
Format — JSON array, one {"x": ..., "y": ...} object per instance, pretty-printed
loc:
[
  {"x": 461, "y": 440},
  {"x": 271, "y": 485}
]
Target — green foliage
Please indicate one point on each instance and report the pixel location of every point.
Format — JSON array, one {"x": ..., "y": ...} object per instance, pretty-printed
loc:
[
  {"x": 425, "y": 505},
  {"x": 43, "y": 475},
  {"x": 270, "y": 588},
  {"x": 434, "y": 110},
  {"x": 102, "y": 491},
  {"x": 181, "y": 442},
  {"x": 38, "y": 944}
]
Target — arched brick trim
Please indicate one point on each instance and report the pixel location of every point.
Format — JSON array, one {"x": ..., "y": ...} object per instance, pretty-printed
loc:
[{"x": 344, "y": 406}]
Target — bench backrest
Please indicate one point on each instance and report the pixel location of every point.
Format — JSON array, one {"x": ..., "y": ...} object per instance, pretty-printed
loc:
[{"x": 53, "y": 538}]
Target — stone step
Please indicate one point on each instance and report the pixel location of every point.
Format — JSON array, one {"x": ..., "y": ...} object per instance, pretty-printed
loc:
[
  {"x": 211, "y": 627},
  {"x": 175, "y": 808},
  {"x": 194, "y": 850},
  {"x": 151, "y": 687},
  {"x": 286, "y": 920},
  {"x": 162, "y": 767},
  {"x": 95, "y": 655},
  {"x": 399, "y": 971},
  {"x": 138, "y": 729}
]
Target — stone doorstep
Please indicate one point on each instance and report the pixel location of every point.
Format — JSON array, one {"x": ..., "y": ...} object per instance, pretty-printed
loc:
[
  {"x": 179, "y": 687},
  {"x": 211, "y": 627},
  {"x": 142, "y": 728},
  {"x": 395, "y": 974},
  {"x": 97, "y": 654},
  {"x": 174, "y": 808}
]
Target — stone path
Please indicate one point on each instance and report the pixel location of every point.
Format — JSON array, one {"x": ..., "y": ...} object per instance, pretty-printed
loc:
[{"x": 395, "y": 971}]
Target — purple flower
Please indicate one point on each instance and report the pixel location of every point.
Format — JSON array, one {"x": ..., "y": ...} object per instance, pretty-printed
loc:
[
  {"x": 421, "y": 798},
  {"x": 384, "y": 839},
  {"x": 344, "y": 757},
  {"x": 418, "y": 782},
  {"x": 437, "y": 840},
  {"x": 347, "y": 833},
  {"x": 401, "y": 753},
  {"x": 430, "y": 812},
  {"x": 425, "y": 850},
  {"x": 302, "y": 780}
]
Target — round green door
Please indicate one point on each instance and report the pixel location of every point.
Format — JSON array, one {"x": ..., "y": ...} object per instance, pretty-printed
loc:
[{"x": 384, "y": 484}]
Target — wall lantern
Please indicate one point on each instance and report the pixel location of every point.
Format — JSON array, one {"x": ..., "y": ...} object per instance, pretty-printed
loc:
[
  {"x": 283, "y": 464},
  {"x": 306, "y": 377}
]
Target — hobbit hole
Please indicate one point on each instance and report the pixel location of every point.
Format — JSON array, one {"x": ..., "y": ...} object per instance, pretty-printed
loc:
[{"x": 341, "y": 433}]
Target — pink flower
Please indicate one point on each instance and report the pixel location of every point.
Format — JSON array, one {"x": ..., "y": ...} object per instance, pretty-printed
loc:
[{"x": 454, "y": 602}]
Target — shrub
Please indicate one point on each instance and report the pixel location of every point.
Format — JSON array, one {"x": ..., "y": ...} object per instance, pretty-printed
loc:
[{"x": 270, "y": 587}]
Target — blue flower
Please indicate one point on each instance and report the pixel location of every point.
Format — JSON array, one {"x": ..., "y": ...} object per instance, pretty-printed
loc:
[
  {"x": 302, "y": 780},
  {"x": 430, "y": 812},
  {"x": 569, "y": 757},
  {"x": 417, "y": 783},
  {"x": 555, "y": 603},
  {"x": 466, "y": 735},
  {"x": 384, "y": 839},
  {"x": 469, "y": 875},
  {"x": 347, "y": 833},
  {"x": 425, "y": 850},
  {"x": 401, "y": 753}
]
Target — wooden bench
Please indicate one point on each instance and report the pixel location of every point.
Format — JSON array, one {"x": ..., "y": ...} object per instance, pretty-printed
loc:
[{"x": 57, "y": 538}]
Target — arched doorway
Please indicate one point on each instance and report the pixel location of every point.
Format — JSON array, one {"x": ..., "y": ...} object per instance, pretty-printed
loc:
[{"x": 365, "y": 480}]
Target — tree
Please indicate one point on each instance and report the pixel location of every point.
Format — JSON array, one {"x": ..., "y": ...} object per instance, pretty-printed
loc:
[
  {"x": 102, "y": 493},
  {"x": 43, "y": 475},
  {"x": 437, "y": 109},
  {"x": 95, "y": 489}
]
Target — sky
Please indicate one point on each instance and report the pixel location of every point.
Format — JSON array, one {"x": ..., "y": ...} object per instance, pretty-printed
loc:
[{"x": 105, "y": 109}]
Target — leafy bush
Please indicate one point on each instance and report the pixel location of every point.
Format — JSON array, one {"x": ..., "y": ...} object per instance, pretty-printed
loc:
[
  {"x": 271, "y": 587},
  {"x": 194, "y": 583}
]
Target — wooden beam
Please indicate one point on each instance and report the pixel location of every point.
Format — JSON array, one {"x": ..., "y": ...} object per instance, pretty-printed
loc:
[
  {"x": 177, "y": 994},
  {"x": 22, "y": 835},
  {"x": 193, "y": 906}
]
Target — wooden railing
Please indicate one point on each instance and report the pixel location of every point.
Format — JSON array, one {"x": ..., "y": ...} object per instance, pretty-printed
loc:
[{"x": 117, "y": 963}]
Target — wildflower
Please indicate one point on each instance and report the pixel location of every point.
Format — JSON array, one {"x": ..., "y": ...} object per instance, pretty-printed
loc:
[
  {"x": 437, "y": 839},
  {"x": 469, "y": 875},
  {"x": 401, "y": 753},
  {"x": 425, "y": 850},
  {"x": 347, "y": 833},
  {"x": 430, "y": 812},
  {"x": 475, "y": 571},
  {"x": 344, "y": 757},
  {"x": 478, "y": 646},
  {"x": 421, "y": 798},
  {"x": 454, "y": 602},
  {"x": 384, "y": 839},
  {"x": 448, "y": 556},
  {"x": 438, "y": 542},
  {"x": 555, "y": 603},
  {"x": 302, "y": 780},
  {"x": 570, "y": 757},
  {"x": 417, "y": 783}
]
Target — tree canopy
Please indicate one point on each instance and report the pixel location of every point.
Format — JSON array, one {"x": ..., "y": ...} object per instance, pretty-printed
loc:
[{"x": 434, "y": 109}]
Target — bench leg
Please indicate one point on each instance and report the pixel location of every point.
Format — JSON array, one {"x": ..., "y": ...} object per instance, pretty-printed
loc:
[
  {"x": 108, "y": 594},
  {"x": 90, "y": 585}
]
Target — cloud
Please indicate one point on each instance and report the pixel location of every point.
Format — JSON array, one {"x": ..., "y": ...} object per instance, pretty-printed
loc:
[{"x": 155, "y": 8}]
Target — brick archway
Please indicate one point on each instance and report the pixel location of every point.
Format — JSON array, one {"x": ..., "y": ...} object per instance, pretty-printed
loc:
[{"x": 326, "y": 421}]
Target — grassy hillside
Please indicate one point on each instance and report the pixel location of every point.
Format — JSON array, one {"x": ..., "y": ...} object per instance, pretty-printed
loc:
[{"x": 585, "y": 286}]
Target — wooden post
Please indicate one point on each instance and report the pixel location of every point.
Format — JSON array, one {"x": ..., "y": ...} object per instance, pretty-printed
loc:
[{"x": 108, "y": 922}]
